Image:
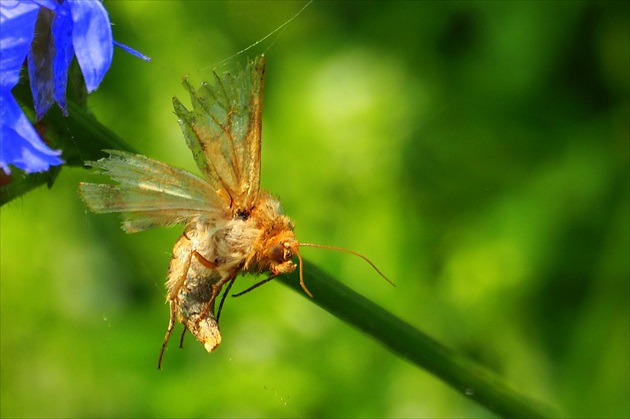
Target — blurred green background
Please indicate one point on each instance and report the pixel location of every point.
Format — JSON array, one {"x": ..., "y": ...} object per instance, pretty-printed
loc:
[{"x": 477, "y": 152}]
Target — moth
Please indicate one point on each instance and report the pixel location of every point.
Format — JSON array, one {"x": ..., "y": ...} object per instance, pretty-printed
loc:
[{"x": 231, "y": 225}]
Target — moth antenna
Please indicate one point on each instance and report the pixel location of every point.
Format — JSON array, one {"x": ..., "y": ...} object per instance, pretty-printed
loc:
[
  {"x": 341, "y": 249},
  {"x": 302, "y": 284}
]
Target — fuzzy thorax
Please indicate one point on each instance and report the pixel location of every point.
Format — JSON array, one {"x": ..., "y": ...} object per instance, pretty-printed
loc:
[{"x": 274, "y": 249}]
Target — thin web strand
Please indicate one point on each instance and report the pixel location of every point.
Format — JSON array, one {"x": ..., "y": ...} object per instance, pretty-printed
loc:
[{"x": 279, "y": 28}]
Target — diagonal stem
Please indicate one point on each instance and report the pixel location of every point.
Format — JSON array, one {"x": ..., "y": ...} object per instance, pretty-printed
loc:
[{"x": 410, "y": 343}]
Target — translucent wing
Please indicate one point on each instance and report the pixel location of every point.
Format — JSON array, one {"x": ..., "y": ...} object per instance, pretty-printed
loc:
[
  {"x": 223, "y": 132},
  {"x": 150, "y": 193}
]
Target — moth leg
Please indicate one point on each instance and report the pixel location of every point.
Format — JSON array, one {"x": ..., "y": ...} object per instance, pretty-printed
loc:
[
  {"x": 169, "y": 331},
  {"x": 216, "y": 290},
  {"x": 172, "y": 294},
  {"x": 253, "y": 287},
  {"x": 181, "y": 339},
  {"x": 205, "y": 262},
  {"x": 225, "y": 294},
  {"x": 174, "y": 290}
]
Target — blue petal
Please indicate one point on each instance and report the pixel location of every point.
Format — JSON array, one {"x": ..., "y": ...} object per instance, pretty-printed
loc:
[
  {"x": 49, "y": 4},
  {"x": 20, "y": 145},
  {"x": 92, "y": 40},
  {"x": 40, "y": 59},
  {"x": 18, "y": 26},
  {"x": 62, "y": 35}
]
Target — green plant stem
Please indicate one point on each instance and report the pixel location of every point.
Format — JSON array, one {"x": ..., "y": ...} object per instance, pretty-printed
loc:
[
  {"x": 410, "y": 343},
  {"x": 79, "y": 135}
]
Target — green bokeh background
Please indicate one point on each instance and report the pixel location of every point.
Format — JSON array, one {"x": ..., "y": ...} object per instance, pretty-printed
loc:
[{"x": 478, "y": 152}]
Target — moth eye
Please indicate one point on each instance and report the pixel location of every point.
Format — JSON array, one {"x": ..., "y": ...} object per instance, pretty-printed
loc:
[{"x": 276, "y": 253}]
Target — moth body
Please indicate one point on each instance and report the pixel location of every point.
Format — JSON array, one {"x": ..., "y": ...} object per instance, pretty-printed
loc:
[
  {"x": 212, "y": 251},
  {"x": 231, "y": 226}
]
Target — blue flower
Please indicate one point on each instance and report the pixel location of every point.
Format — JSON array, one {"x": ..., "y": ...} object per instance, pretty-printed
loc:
[{"x": 48, "y": 34}]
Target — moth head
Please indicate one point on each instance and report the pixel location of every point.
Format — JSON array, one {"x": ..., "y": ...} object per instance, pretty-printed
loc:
[{"x": 280, "y": 255}]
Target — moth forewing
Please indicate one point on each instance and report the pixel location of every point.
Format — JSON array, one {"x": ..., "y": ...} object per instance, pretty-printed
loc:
[{"x": 223, "y": 131}]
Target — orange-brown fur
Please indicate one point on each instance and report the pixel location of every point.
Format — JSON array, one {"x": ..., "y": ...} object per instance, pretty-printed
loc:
[{"x": 212, "y": 252}]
